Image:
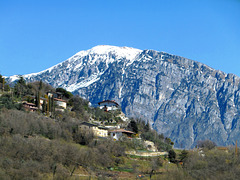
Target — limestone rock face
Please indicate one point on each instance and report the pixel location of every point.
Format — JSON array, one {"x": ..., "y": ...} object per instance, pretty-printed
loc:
[{"x": 183, "y": 99}]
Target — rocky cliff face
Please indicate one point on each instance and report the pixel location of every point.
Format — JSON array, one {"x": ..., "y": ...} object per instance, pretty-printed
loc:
[{"x": 183, "y": 99}]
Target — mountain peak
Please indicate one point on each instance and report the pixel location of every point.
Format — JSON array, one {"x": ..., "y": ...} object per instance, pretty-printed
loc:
[
  {"x": 119, "y": 52},
  {"x": 108, "y": 48}
]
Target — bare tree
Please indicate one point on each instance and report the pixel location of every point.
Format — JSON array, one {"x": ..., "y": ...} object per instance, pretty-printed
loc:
[{"x": 206, "y": 144}]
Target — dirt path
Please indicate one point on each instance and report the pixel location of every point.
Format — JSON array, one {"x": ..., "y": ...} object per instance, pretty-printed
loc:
[{"x": 146, "y": 154}]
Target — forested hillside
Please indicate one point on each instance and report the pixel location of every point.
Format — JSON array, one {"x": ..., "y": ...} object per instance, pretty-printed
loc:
[{"x": 41, "y": 144}]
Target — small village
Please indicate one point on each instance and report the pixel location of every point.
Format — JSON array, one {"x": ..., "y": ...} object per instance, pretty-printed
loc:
[
  {"x": 99, "y": 129},
  {"x": 41, "y": 98},
  {"x": 48, "y": 133}
]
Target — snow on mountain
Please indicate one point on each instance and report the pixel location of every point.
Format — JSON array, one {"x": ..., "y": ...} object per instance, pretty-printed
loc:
[
  {"x": 83, "y": 68},
  {"x": 108, "y": 54},
  {"x": 120, "y": 52},
  {"x": 84, "y": 83}
]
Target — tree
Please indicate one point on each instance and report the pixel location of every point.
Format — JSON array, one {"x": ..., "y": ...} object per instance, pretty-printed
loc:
[
  {"x": 206, "y": 144},
  {"x": 82, "y": 136},
  {"x": 161, "y": 136},
  {"x": 65, "y": 93},
  {"x": 50, "y": 105},
  {"x": 44, "y": 106},
  {"x": 6, "y": 87},
  {"x": 2, "y": 81},
  {"x": 172, "y": 156},
  {"x": 183, "y": 155},
  {"x": 79, "y": 106},
  {"x": 21, "y": 80},
  {"x": 133, "y": 126},
  {"x": 156, "y": 163},
  {"x": 37, "y": 98},
  {"x": 20, "y": 87},
  {"x": 6, "y": 101},
  {"x": 40, "y": 85},
  {"x": 167, "y": 140}
]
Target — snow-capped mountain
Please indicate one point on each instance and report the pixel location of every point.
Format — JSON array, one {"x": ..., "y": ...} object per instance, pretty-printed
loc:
[
  {"x": 183, "y": 99},
  {"x": 84, "y": 68}
]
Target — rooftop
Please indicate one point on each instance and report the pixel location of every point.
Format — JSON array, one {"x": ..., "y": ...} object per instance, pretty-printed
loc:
[
  {"x": 109, "y": 101},
  {"x": 122, "y": 130}
]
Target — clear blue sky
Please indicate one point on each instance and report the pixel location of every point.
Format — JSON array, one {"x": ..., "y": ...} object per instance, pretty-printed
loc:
[{"x": 37, "y": 34}]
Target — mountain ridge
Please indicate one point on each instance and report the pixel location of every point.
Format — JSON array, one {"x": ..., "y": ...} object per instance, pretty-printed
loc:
[{"x": 183, "y": 99}]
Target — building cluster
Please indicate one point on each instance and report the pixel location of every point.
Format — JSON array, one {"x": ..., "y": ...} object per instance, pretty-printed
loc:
[
  {"x": 59, "y": 103},
  {"x": 104, "y": 132},
  {"x": 100, "y": 131}
]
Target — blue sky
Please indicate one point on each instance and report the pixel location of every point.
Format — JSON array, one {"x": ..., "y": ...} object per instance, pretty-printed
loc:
[{"x": 37, "y": 34}]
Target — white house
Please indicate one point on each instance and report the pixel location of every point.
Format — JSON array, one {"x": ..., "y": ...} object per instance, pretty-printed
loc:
[
  {"x": 118, "y": 133},
  {"x": 60, "y": 103},
  {"x": 108, "y": 105}
]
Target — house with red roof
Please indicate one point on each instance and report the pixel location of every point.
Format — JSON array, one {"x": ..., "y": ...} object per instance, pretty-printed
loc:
[
  {"x": 108, "y": 105},
  {"x": 118, "y": 133}
]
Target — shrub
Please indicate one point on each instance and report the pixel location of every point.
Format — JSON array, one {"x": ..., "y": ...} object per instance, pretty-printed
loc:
[{"x": 172, "y": 156}]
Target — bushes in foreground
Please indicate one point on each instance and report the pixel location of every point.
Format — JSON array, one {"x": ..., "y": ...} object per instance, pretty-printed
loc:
[
  {"x": 37, "y": 158},
  {"x": 36, "y": 147},
  {"x": 213, "y": 164}
]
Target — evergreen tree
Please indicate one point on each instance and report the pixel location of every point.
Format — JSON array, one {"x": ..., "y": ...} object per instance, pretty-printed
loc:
[
  {"x": 44, "y": 106},
  {"x": 172, "y": 155},
  {"x": 21, "y": 81},
  {"x": 65, "y": 93},
  {"x": 38, "y": 100},
  {"x": 40, "y": 85},
  {"x": 183, "y": 155},
  {"x": 52, "y": 105},
  {"x": 20, "y": 87},
  {"x": 133, "y": 126},
  {"x": 2, "y": 81},
  {"x": 6, "y": 87}
]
